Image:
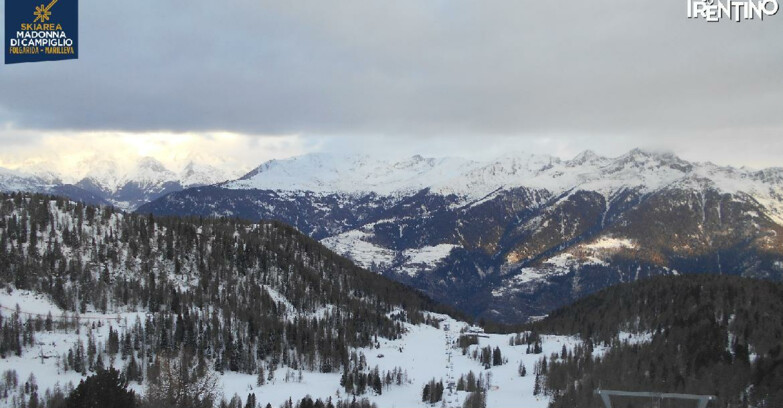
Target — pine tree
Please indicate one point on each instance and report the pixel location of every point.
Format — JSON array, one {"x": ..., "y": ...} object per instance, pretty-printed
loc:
[
  {"x": 537, "y": 385},
  {"x": 261, "y": 377},
  {"x": 251, "y": 401},
  {"x": 106, "y": 388}
]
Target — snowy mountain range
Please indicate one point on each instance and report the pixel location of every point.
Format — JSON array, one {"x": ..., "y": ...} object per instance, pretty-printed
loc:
[
  {"x": 509, "y": 238},
  {"x": 517, "y": 236},
  {"x": 475, "y": 180},
  {"x": 271, "y": 316},
  {"x": 104, "y": 181}
]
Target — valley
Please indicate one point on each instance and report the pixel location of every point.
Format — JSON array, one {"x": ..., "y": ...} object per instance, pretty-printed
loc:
[{"x": 519, "y": 236}]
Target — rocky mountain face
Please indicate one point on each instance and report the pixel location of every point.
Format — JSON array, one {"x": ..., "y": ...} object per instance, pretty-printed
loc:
[
  {"x": 104, "y": 182},
  {"x": 514, "y": 238}
]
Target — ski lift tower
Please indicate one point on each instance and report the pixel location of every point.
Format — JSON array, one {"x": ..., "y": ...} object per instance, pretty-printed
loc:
[{"x": 702, "y": 400}]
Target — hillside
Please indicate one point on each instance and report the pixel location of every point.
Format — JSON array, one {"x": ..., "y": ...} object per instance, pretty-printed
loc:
[
  {"x": 271, "y": 313},
  {"x": 237, "y": 295},
  {"x": 715, "y": 335},
  {"x": 260, "y": 308},
  {"x": 518, "y": 236},
  {"x": 103, "y": 181}
]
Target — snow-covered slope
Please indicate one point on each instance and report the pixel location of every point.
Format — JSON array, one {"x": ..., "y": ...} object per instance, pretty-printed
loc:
[
  {"x": 103, "y": 180},
  {"x": 201, "y": 174},
  {"x": 102, "y": 174},
  {"x": 42, "y": 172},
  {"x": 329, "y": 173},
  {"x": 532, "y": 226},
  {"x": 150, "y": 172},
  {"x": 638, "y": 169},
  {"x": 423, "y": 353},
  {"x": 42, "y": 180},
  {"x": 297, "y": 314},
  {"x": 12, "y": 180}
]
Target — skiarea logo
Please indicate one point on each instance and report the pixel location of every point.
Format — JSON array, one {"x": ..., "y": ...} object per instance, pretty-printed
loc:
[
  {"x": 714, "y": 11},
  {"x": 41, "y": 32},
  {"x": 43, "y": 13}
]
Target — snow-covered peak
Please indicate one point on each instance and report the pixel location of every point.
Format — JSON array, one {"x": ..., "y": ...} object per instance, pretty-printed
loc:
[
  {"x": 322, "y": 172},
  {"x": 107, "y": 175},
  {"x": 14, "y": 180},
  {"x": 41, "y": 171},
  {"x": 587, "y": 156},
  {"x": 102, "y": 173},
  {"x": 649, "y": 160},
  {"x": 150, "y": 164},
  {"x": 638, "y": 169},
  {"x": 771, "y": 176},
  {"x": 149, "y": 171},
  {"x": 199, "y": 174}
]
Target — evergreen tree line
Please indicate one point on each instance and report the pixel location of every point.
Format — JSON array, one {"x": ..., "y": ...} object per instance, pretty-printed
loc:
[
  {"x": 476, "y": 386},
  {"x": 308, "y": 402},
  {"x": 715, "y": 335},
  {"x": 530, "y": 339},
  {"x": 471, "y": 383},
  {"x": 466, "y": 340},
  {"x": 488, "y": 356},
  {"x": 432, "y": 391},
  {"x": 232, "y": 295},
  {"x": 109, "y": 388},
  {"x": 357, "y": 382}
]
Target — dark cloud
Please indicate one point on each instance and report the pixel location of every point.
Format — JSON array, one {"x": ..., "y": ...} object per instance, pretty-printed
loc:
[{"x": 408, "y": 67}]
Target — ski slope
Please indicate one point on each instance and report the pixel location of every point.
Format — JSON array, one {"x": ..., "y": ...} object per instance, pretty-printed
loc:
[{"x": 424, "y": 352}]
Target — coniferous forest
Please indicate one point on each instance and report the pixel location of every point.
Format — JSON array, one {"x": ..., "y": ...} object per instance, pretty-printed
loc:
[
  {"x": 711, "y": 335},
  {"x": 218, "y": 295},
  {"x": 229, "y": 295}
]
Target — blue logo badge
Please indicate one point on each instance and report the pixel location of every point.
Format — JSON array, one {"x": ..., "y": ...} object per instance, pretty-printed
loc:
[{"x": 41, "y": 30}]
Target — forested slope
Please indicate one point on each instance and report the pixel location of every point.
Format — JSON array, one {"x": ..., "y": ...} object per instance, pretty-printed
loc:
[
  {"x": 697, "y": 334},
  {"x": 237, "y": 296}
]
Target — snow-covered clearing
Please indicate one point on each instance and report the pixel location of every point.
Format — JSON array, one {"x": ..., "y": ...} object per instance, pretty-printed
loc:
[
  {"x": 424, "y": 356},
  {"x": 424, "y": 353},
  {"x": 610, "y": 243},
  {"x": 353, "y": 245}
]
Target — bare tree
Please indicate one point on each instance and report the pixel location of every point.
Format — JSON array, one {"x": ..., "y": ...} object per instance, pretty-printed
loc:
[{"x": 182, "y": 383}]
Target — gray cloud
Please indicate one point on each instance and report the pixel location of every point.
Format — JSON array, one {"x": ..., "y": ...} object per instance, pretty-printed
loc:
[{"x": 625, "y": 73}]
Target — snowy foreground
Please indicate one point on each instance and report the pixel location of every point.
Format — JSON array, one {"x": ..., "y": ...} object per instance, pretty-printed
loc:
[{"x": 424, "y": 352}]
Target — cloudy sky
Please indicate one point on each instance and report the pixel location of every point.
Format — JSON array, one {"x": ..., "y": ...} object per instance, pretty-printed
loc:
[{"x": 245, "y": 81}]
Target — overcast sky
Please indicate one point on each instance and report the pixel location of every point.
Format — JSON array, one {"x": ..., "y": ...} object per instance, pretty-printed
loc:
[{"x": 253, "y": 80}]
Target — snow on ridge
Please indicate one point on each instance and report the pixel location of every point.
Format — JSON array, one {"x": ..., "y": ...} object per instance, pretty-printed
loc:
[
  {"x": 429, "y": 254},
  {"x": 103, "y": 173},
  {"x": 150, "y": 172},
  {"x": 107, "y": 174},
  {"x": 473, "y": 180},
  {"x": 611, "y": 243},
  {"x": 420, "y": 259},
  {"x": 353, "y": 244},
  {"x": 19, "y": 180},
  {"x": 356, "y": 245},
  {"x": 596, "y": 252},
  {"x": 198, "y": 174},
  {"x": 328, "y": 173}
]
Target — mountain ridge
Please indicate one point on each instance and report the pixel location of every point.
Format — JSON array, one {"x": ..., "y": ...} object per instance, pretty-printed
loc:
[
  {"x": 103, "y": 181},
  {"x": 472, "y": 180},
  {"x": 514, "y": 237}
]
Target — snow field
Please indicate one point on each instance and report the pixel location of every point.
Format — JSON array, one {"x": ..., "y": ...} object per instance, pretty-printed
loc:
[{"x": 423, "y": 353}]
